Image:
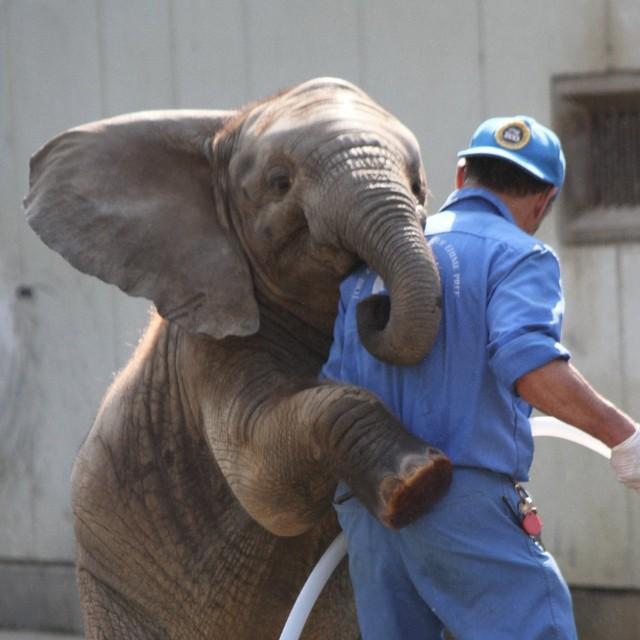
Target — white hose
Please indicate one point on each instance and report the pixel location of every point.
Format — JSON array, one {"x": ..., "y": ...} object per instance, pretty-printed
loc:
[
  {"x": 318, "y": 578},
  {"x": 545, "y": 426},
  {"x": 313, "y": 587}
]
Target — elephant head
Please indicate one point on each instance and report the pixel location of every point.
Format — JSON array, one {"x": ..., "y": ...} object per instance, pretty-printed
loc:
[{"x": 207, "y": 212}]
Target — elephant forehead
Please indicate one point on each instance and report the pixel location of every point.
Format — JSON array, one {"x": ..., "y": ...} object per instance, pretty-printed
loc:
[
  {"x": 310, "y": 124},
  {"x": 326, "y": 83}
]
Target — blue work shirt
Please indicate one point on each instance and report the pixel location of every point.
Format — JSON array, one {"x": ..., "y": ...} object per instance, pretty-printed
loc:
[{"x": 501, "y": 318}]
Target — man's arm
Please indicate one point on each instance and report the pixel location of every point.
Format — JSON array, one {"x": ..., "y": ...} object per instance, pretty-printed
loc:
[{"x": 559, "y": 390}]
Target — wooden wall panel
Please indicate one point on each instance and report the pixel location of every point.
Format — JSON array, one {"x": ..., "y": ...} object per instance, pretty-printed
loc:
[
  {"x": 592, "y": 321},
  {"x": 137, "y": 57},
  {"x": 624, "y": 34},
  {"x": 211, "y": 55},
  {"x": 587, "y": 523},
  {"x": 629, "y": 296},
  {"x": 62, "y": 328},
  {"x": 289, "y": 42},
  {"x": 10, "y": 224},
  {"x": 524, "y": 46},
  {"x": 422, "y": 64}
]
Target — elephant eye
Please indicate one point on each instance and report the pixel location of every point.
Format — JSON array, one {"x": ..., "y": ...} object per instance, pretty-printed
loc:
[
  {"x": 280, "y": 180},
  {"x": 419, "y": 189}
]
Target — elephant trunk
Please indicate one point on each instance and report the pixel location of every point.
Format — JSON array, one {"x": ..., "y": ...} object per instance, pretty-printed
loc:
[{"x": 399, "y": 328}]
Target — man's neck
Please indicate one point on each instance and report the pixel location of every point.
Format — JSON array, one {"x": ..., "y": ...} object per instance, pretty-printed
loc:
[{"x": 522, "y": 208}]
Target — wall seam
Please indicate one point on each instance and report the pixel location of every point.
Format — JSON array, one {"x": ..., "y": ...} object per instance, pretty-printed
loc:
[
  {"x": 608, "y": 40},
  {"x": 13, "y": 178},
  {"x": 246, "y": 39},
  {"x": 102, "y": 74},
  {"x": 361, "y": 65},
  {"x": 482, "y": 58},
  {"x": 172, "y": 55},
  {"x": 35, "y": 563},
  {"x": 622, "y": 357}
]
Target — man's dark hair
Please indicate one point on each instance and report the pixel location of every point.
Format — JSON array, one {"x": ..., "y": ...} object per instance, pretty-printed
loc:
[{"x": 503, "y": 176}]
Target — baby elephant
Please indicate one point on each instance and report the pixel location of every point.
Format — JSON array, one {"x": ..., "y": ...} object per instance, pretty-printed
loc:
[{"x": 202, "y": 495}]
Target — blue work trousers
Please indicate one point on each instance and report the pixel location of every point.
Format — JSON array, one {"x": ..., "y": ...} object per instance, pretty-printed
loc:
[{"x": 466, "y": 565}]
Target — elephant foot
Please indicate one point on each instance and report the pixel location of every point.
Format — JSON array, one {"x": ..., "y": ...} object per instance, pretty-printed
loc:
[{"x": 422, "y": 481}]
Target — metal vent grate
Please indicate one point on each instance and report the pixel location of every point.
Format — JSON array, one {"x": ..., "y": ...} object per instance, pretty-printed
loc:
[
  {"x": 598, "y": 119},
  {"x": 614, "y": 152}
]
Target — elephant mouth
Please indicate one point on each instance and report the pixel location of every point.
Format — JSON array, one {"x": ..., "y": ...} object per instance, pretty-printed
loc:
[
  {"x": 336, "y": 261},
  {"x": 358, "y": 263},
  {"x": 373, "y": 313}
]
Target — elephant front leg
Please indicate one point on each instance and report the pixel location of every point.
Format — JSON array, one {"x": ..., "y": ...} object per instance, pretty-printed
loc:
[
  {"x": 296, "y": 448},
  {"x": 395, "y": 474}
]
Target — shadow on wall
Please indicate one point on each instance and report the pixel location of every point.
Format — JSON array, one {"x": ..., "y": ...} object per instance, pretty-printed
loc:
[
  {"x": 607, "y": 614},
  {"x": 17, "y": 322},
  {"x": 39, "y": 597},
  {"x": 600, "y": 614}
]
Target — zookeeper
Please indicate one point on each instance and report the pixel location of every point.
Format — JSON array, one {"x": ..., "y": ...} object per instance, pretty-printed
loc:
[{"x": 474, "y": 564}]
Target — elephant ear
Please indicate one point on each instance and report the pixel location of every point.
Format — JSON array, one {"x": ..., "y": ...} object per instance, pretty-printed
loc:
[{"x": 129, "y": 200}]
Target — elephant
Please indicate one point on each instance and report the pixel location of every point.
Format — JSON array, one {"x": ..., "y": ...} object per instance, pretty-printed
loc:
[{"x": 202, "y": 495}]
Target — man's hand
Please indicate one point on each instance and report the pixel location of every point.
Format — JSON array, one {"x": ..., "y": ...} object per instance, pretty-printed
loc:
[{"x": 625, "y": 460}]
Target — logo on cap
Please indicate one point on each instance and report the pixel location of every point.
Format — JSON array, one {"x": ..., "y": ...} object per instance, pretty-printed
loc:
[{"x": 513, "y": 135}]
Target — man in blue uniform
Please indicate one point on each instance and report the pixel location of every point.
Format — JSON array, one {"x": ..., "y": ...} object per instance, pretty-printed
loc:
[{"x": 473, "y": 563}]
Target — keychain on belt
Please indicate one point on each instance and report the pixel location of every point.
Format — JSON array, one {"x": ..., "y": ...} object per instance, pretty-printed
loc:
[{"x": 527, "y": 515}]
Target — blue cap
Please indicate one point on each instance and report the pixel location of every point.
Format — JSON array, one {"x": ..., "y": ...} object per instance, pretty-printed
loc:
[{"x": 523, "y": 141}]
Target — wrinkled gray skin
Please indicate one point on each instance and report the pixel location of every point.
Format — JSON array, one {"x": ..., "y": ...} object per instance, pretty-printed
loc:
[{"x": 202, "y": 495}]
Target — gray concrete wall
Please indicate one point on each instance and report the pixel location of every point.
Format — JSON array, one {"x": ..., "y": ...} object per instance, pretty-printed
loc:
[{"x": 440, "y": 66}]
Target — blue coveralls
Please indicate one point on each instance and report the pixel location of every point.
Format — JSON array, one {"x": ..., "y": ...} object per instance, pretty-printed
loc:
[{"x": 466, "y": 565}]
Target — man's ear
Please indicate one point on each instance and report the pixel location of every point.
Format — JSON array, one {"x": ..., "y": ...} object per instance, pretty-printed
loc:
[
  {"x": 461, "y": 173},
  {"x": 543, "y": 204}
]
